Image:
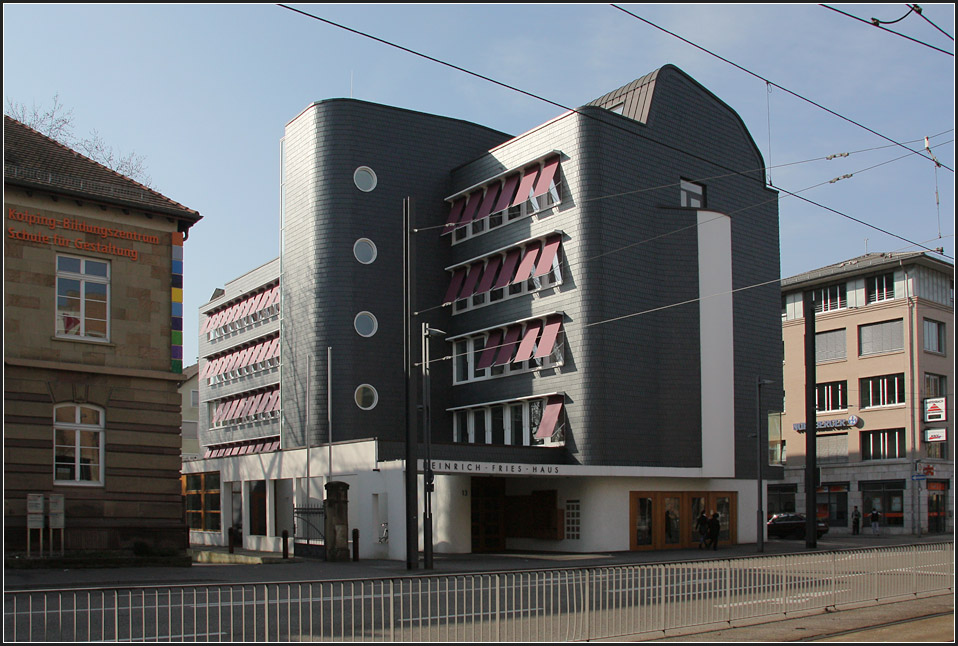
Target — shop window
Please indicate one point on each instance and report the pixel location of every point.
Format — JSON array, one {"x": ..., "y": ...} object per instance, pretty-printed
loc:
[
  {"x": 781, "y": 499},
  {"x": 202, "y": 491},
  {"x": 78, "y": 444},
  {"x": 832, "y": 502},
  {"x": 888, "y": 498},
  {"x": 83, "y": 298}
]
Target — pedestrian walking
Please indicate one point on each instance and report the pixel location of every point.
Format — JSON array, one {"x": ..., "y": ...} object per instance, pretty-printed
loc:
[
  {"x": 714, "y": 528},
  {"x": 856, "y": 520},
  {"x": 874, "y": 517},
  {"x": 702, "y": 527}
]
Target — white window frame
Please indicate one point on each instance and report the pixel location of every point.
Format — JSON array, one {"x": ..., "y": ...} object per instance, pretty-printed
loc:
[
  {"x": 469, "y": 349},
  {"x": 880, "y": 288},
  {"x": 552, "y": 278},
  {"x": 884, "y": 390},
  {"x": 84, "y": 278},
  {"x": 831, "y": 298},
  {"x": 527, "y": 208},
  {"x": 834, "y": 394},
  {"x": 468, "y": 416},
  {"x": 77, "y": 429},
  {"x": 883, "y": 440}
]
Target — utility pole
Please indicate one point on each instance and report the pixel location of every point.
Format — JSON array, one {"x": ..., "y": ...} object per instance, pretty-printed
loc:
[
  {"x": 811, "y": 420},
  {"x": 411, "y": 473}
]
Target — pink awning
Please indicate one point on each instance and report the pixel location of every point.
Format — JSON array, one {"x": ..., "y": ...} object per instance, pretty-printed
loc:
[
  {"x": 492, "y": 191},
  {"x": 548, "y": 174},
  {"x": 489, "y": 352},
  {"x": 508, "y": 270},
  {"x": 544, "y": 266},
  {"x": 508, "y": 345},
  {"x": 489, "y": 274},
  {"x": 527, "y": 264},
  {"x": 528, "y": 344},
  {"x": 455, "y": 285},
  {"x": 549, "y": 334},
  {"x": 507, "y": 193},
  {"x": 550, "y": 416},
  {"x": 454, "y": 214},
  {"x": 472, "y": 278},
  {"x": 472, "y": 205},
  {"x": 525, "y": 187}
]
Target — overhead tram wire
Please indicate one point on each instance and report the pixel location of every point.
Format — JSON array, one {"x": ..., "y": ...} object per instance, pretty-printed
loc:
[
  {"x": 617, "y": 126},
  {"x": 877, "y": 23},
  {"x": 730, "y": 174},
  {"x": 571, "y": 110},
  {"x": 947, "y": 35},
  {"x": 772, "y": 83}
]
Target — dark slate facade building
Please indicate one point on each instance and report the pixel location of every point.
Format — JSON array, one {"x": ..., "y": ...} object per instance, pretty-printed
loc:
[{"x": 603, "y": 293}]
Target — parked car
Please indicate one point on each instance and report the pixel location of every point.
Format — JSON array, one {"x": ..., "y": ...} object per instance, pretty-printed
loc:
[{"x": 791, "y": 526}]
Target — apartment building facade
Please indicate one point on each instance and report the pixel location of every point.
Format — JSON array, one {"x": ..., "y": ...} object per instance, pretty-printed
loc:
[
  {"x": 594, "y": 363},
  {"x": 884, "y": 342}
]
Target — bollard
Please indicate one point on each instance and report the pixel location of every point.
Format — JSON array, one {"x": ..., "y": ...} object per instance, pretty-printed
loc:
[
  {"x": 232, "y": 534},
  {"x": 355, "y": 544},
  {"x": 285, "y": 544}
]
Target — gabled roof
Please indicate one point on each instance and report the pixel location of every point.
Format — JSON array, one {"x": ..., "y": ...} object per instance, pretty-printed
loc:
[
  {"x": 864, "y": 264},
  {"x": 33, "y": 160}
]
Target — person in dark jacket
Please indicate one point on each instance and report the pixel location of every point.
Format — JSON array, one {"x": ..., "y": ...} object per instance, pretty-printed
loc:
[
  {"x": 714, "y": 528},
  {"x": 702, "y": 527}
]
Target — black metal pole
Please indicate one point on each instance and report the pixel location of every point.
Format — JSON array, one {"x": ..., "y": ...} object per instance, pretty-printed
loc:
[
  {"x": 427, "y": 440},
  {"x": 811, "y": 420},
  {"x": 411, "y": 475}
]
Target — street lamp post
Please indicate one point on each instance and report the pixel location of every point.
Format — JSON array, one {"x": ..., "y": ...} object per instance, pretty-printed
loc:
[
  {"x": 760, "y": 512},
  {"x": 427, "y": 440}
]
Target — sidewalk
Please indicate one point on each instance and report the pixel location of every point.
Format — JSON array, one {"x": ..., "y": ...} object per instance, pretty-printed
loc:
[{"x": 216, "y": 565}]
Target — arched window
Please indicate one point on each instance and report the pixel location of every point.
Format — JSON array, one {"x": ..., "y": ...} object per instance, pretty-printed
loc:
[{"x": 78, "y": 440}]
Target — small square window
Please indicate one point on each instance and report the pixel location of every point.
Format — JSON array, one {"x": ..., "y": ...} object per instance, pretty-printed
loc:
[{"x": 691, "y": 195}]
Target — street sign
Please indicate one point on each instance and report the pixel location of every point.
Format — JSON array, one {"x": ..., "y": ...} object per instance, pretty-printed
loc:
[{"x": 918, "y": 476}]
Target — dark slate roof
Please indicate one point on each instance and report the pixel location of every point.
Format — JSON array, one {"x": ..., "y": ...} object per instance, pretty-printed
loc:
[
  {"x": 863, "y": 264},
  {"x": 33, "y": 160}
]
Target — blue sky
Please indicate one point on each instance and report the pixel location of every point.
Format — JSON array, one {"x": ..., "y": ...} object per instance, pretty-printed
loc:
[{"x": 203, "y": 92}]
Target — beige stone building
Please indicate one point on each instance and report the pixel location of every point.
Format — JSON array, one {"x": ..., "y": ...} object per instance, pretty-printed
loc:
[
  {"x": 93, "y": 279},
  {"x": 884, "y": 341}
]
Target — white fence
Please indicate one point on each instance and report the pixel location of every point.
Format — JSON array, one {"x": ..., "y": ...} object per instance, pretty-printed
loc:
[{"x": 543, "y": 605}]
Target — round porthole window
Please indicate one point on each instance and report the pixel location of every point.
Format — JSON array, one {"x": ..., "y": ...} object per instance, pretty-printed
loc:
[
  {"x": 365, "y": 251},
  {"x": 365, "y": 179},
  {"x": 366, "y": 397},
  {"x": 365, "y": 324}
]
